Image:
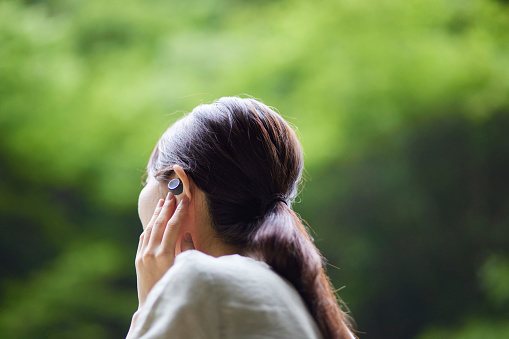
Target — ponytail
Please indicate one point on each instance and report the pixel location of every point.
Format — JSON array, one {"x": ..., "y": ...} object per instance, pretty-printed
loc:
[{"x": 282, "y": 241}]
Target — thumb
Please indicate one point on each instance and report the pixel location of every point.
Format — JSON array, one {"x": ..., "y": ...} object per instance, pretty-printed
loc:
[{"x": 187, "y": 242}]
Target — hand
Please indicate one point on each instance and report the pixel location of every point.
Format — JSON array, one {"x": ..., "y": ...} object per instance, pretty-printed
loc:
[{"x": 156, "y": 249}]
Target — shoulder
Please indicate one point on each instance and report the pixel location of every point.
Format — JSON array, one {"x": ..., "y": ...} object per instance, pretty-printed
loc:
[
  {"x": 231, "y": 277},
  {"x": 197, "y": 267},
  {"x": 249, "y": 297},
  {"x": 231, "y": 296}
]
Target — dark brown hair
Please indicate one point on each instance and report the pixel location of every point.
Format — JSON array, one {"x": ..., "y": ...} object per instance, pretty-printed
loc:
[{"x": 248, "y": 162}]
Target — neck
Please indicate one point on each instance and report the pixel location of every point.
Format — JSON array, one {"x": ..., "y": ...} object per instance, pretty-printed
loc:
[
  {"x": 208, "y": 240},
  {"x": 218, "y": 248}
]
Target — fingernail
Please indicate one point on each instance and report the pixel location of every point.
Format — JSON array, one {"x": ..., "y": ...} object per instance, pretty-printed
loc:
[
  {"x": 169, "y": 196},
  {"x": 160, "y": 203}
]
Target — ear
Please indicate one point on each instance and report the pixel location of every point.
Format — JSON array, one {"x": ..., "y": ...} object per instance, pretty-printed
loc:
[{"x": 186, "y": 181}]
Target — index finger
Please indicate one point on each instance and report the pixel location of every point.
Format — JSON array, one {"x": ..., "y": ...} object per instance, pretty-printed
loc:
[
  {"x": 173, "y": 226},
  {"x": 148, "y": 230},
  {"x": 161, "y": 221}
]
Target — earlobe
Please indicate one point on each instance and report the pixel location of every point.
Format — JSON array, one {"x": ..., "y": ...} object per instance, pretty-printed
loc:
[{"x": 181, "y": 174}]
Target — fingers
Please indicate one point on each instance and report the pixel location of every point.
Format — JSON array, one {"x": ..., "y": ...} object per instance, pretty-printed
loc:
[
  {"x": 173, "y": 226},
  {"x": 161, "y": 221},
  {"x": 150, "y": 226},
  {"x": 156, "y": 248},
  {"x": 160, "y": 235},
  {"x": 140, "y": 243}
]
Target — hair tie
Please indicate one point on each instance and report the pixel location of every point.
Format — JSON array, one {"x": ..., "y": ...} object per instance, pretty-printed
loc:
[{"x": 272, "y": 200}]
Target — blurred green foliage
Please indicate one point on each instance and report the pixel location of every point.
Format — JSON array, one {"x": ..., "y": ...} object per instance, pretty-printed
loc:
[{"x": 402, "y": 108}]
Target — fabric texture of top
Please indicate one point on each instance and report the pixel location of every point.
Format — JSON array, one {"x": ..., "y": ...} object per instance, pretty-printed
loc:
[{"x": 231, "y": 296}]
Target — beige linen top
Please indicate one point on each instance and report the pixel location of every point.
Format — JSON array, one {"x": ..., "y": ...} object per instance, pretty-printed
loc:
[{"x": 221, "y": 298}]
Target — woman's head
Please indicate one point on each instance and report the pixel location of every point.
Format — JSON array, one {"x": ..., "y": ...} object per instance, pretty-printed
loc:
[
  {"x": 241, "y": 154},
  {"x": 241, "y": 164}
]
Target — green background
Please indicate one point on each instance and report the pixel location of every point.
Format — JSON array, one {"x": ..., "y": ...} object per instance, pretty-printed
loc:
[{"x": 402, "y": 108}]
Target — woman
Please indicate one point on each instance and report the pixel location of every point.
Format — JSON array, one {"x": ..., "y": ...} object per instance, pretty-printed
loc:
[{"x": 252, "y": 270}]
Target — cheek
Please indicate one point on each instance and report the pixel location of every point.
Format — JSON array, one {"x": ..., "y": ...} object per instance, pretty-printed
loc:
[
  {"x": 148, "y": 199},
  {"x": 146, "y": 206}
]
